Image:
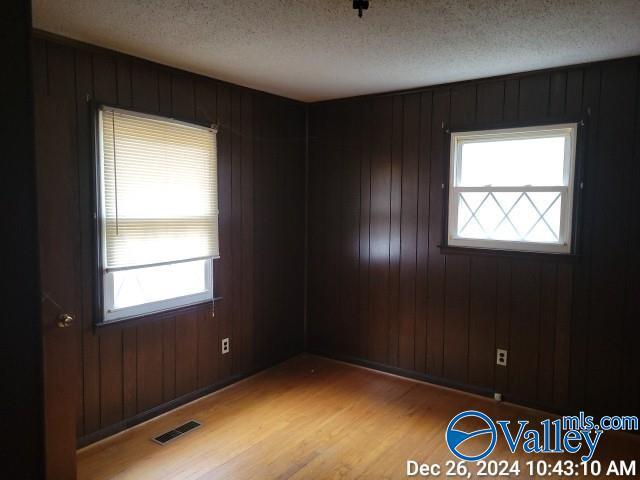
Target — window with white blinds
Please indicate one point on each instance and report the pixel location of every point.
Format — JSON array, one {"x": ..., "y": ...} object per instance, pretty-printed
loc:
[{"x": 159, "y": 212}]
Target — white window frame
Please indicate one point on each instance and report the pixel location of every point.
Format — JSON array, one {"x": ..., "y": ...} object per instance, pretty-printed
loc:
[
  {"x": 564, "y": 244},
  {"x": 109, "y": 313}
]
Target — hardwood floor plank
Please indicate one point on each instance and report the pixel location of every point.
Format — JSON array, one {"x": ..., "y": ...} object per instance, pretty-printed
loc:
[{"x": 311, "y": 418}]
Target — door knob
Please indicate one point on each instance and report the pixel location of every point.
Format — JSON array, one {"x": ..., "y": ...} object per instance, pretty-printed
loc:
[{"x": 64, "y": 320}]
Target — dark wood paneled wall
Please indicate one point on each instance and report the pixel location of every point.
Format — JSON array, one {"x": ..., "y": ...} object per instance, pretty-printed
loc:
[
  {"x": 382, "y": 292},
  {"x": 134, "y": 369}
]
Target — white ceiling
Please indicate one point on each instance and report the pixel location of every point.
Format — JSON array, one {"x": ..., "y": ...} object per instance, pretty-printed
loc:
[{"x": 319, "y": 49}]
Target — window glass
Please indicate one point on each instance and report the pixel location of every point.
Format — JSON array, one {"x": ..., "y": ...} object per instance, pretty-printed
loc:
[
  {"x": 152, "y": 284},
  {"x": 158, "y": 212},
  {"x": 531, "y": 161},
  {"x": 512, "y": 189}
]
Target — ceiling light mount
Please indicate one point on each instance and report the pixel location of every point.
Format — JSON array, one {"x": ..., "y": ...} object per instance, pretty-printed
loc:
[{"x": 360, "y": 5}]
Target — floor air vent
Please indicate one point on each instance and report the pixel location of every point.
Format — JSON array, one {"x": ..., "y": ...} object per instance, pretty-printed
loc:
[{"x": 166, "y": 437}]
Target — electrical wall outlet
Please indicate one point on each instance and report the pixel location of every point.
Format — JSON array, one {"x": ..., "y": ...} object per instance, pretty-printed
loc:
[
  {"x": 501, "y": 357},
  {"x": 497, "y": 396},
  {"x": 225, "y": 345}
]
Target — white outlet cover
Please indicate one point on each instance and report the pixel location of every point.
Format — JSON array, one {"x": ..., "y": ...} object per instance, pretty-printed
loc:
[{"x": 501, "y": 357}]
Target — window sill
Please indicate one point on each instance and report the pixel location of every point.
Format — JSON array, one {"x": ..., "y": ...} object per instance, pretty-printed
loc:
[
  {"x": 488, "y": 252},
  {"x": 154, "y": 316}
]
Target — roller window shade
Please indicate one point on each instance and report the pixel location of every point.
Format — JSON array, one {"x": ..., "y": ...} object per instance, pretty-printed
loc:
[{"x": 159, "y": 190}]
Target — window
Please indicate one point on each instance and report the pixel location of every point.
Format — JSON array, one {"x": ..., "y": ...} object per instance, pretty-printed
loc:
[
  {"x": 512, "y": 189},
  {"x": 158, "y": 213}
]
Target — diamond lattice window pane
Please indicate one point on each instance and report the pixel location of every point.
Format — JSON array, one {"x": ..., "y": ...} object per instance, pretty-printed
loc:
[
  {"x": 553, "y": 217},
  {"x": 489, "y": 215},
  {"x": 541, "y": 233},
  {"x": 543, "y": 200},
  {"x": 464, "y": 214},
  {"x": 506, "y": 231},
  {"x": 510, "y": 216},
  {"x": 468, "y": 223},
  {"x": 472, "y": 230},
  {"x": 473, "y": 199},
  {"x": 547, "y": 228},
  {"x": 506, "y": 199},
  {"x": 524, "y": 215}
]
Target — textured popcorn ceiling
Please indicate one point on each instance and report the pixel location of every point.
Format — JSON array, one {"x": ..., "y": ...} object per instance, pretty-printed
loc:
[{"x": 319, "y": 49}]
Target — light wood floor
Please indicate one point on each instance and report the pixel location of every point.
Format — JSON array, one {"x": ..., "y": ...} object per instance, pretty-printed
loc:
[{"x": 310, "y": 418}]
